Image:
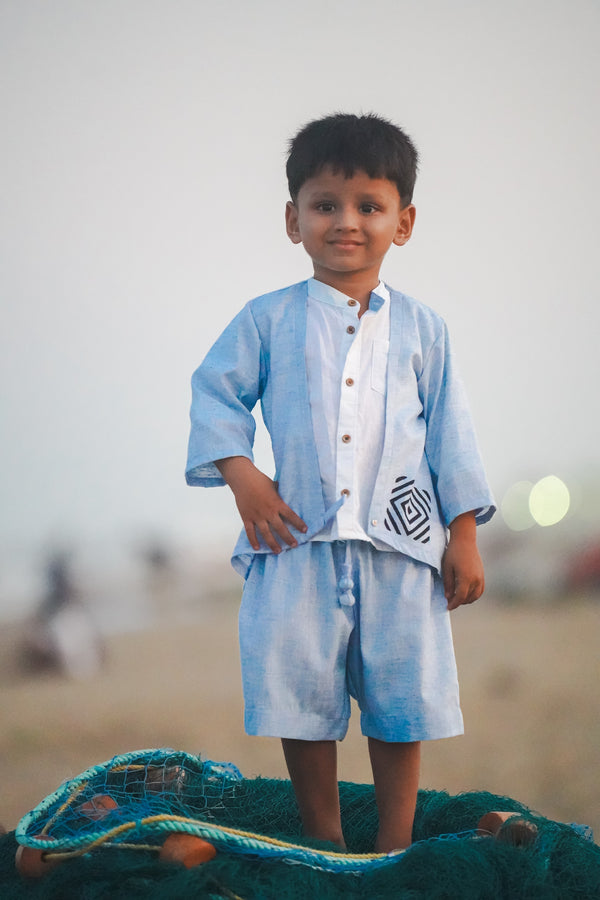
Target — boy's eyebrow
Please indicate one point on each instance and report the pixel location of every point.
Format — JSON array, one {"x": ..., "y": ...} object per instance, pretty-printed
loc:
[
  {"x": 331, "y": 194},
  {"x": 321, "y": 192}
]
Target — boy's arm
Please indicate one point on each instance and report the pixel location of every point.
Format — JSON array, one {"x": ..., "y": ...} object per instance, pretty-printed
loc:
[
  {"x": 225, "y": 389},
  {"x": 451, "y": 444},
  {"x": 259, "y": 504},
  {"x": 462, "y": 569}
]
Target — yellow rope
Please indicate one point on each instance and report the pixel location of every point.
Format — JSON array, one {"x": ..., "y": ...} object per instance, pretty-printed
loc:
[
  {"x": 234, "y": 832},
  {"x": 65, "y": 805},
  {"x": 113, "y": 833}
]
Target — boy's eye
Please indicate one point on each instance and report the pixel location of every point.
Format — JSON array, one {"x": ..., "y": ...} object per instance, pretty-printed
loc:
[
  {"x": 325, "y": 206},
  {"x": 368, "y": 208}
]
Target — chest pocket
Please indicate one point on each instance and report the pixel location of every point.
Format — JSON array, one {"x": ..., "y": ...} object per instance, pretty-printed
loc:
[{"x": 379, "y": 364}]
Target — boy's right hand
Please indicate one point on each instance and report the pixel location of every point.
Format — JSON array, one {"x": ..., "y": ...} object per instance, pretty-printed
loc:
[{"x": 259, "y": 504}]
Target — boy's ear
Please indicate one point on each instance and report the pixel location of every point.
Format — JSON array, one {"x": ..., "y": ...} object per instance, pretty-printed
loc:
[
  {"x": 291, "y": 223},
  {"x": 406, "y": 221}
]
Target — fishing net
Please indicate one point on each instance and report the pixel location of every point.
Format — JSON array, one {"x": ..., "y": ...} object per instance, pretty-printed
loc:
[{"x": 104, "y": 830}]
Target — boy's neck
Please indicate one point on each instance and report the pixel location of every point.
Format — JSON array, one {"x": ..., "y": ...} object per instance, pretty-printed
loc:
[{"x": 353, "y": 286}]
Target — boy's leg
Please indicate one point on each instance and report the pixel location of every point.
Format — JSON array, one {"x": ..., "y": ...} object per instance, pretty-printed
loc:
[
  {"x": 396, "y": 769},
  {"x": 313, "y": 771}
]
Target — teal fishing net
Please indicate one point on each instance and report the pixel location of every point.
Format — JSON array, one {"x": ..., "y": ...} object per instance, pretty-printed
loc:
[{"x": 109, "y": 824}]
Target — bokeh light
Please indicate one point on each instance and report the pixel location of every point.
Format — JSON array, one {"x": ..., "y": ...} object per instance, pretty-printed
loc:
[
  {"x": 515, "y": 506},
  {"x": 549, "y": 500}
]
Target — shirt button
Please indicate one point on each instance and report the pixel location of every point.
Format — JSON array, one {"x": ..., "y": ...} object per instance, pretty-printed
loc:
[
  {"x": 373, "y": 521},
  {"x": 350, "y": 329},
  {"x": 345, "y": 492},
  {"x": 349, "y": 381},
  {"x": 346, "y": 438},
  {"x": 352, "y": 302}
]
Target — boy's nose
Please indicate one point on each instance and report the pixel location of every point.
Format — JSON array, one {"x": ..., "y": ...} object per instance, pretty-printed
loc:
[{"x": 346, "y": 220}]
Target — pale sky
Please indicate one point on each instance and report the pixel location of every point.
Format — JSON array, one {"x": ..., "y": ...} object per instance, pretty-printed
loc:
[{"x": 142, "y": 198}]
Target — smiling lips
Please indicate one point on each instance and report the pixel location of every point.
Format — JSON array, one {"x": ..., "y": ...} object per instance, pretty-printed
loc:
[{"x": 346, "y": 245}]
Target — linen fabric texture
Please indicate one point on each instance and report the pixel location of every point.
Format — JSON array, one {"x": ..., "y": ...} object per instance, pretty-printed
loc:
[
  {"x": 340, "y": 619},
  {"x": 346, "y": 363},
  {"x": 430, "y": 469}
]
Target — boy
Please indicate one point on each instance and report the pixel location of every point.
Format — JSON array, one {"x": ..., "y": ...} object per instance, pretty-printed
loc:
[{"x": 356, "y": 551}]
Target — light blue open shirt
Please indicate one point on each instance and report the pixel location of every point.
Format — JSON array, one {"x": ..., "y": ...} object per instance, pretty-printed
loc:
[{"x": 430, "y": 469}]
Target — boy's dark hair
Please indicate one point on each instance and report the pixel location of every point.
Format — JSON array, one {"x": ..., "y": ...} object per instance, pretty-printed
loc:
[{"x": 349, "y": 143}]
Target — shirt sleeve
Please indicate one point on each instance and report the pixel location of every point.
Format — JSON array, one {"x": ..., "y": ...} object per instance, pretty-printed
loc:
[
  {"x": 451, "y": 443},
  {"x": 225, "y": 389}
]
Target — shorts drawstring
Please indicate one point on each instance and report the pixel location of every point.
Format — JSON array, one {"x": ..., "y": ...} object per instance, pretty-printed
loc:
[{"x": 345, "y": 583}]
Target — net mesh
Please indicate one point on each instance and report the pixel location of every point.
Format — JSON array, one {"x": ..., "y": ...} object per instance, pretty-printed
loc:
[{"x": 242, "y": 817}]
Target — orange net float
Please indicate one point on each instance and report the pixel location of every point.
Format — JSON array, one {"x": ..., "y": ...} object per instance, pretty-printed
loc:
[
  {"x": 98, "y": 807},
  {"x": 186, "y": 849},
  {"x": 508, "y": 828},
  {"x": 31, "y": 862}
]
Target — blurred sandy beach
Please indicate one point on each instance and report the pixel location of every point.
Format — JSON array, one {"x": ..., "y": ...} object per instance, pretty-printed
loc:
[{"x": 529, "y": 679}]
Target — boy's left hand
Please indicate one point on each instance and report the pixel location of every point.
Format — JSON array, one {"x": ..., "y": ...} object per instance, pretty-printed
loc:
[{"x": 462, "y": 568}]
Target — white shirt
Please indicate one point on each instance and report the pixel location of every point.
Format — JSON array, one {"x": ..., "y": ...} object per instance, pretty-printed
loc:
[{"x": 347, "y": 361}]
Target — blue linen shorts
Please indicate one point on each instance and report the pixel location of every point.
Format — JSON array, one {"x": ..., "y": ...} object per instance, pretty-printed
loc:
[{"x": 326, "y": 621}]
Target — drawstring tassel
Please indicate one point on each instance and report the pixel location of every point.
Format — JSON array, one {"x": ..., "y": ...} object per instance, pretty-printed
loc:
[{"x": 346, "y": 584}]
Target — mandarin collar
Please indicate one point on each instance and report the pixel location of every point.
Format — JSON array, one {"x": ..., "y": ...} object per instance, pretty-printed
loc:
[{"x": 324, "y": 293}]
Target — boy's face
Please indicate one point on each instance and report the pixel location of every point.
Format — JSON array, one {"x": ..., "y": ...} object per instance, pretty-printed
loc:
[{"x": 347, "y": 225}]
